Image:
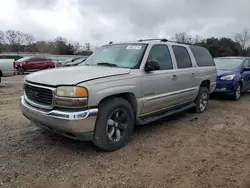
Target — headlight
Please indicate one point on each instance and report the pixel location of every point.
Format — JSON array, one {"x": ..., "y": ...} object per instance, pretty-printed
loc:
[
  {"x": 228, "y": 77},
  {"x": 71, "y": 97},
  {"x": 71, "y": 91}
]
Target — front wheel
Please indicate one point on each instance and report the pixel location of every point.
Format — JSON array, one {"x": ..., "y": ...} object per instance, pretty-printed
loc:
[
  {"x": 20, "y": 70},
  {"x": 237, "y": 92},
  {"x": 201, "y": 101},
  {"x": 114, "y": 125}
]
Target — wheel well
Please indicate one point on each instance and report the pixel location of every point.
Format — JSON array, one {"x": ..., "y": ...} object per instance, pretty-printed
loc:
[
  {"x": 206, "y": 83},
  {"x": 130, "y": 97}
]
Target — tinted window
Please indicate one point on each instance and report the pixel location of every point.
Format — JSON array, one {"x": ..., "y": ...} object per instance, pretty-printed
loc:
[
  {"x": 182, "y": 57},
  {"x": 202, "y": 56},
  {"x": 161, "y": 54}
]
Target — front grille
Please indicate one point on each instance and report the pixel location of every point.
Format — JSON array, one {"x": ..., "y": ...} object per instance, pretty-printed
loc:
[
  {"x": 220, "y": 86},
  {"x": 39, "y": 95}
]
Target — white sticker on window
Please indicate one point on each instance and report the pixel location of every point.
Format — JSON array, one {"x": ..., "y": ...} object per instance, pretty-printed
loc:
[{"x": 133, "y": 47}]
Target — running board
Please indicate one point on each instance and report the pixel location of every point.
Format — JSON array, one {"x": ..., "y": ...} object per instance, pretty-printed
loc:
[{"x": 156, "y": 116}]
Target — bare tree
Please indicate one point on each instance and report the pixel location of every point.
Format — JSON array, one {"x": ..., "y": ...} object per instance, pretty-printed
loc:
[
  {"x": 15, "y": 39},
  {"x": 182, "y": 37},
  {"x": 197, "y": 39},
  {"x": 2, "y": 39},
  {"x": 243, "y": 38},
  {"x": 29, "y": 39},
  {"x": 87, "y": 47}
]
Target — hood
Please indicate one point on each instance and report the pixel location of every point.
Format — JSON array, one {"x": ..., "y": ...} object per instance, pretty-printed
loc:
[
  {"x": 74, "y": 75},
  {"x": 223, "y": 72}
]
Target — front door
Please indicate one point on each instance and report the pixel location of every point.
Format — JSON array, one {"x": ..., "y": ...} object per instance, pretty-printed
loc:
[
  {"x": 246, "y": 75},
  {"x": 159, "y": 86}
]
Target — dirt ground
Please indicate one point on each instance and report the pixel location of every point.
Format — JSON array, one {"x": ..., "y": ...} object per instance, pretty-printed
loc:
[{"x": 187, "y": 150}]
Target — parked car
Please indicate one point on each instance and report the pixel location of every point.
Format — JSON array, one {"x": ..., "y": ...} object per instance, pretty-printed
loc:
[
  {"x": 33, "y": 63},
  {"x": 6, "y": 67},
  {"x": 233, "y": 76},
  {"x": 75, "y": 63},
  {"x": 119, "y": 86},
  {"x": 69, "y": 60}
]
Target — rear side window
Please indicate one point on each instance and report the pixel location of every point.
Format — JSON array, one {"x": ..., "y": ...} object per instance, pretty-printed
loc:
[
  {"x": 182, "y": 57},
  {"x": 202, "y": 56}
]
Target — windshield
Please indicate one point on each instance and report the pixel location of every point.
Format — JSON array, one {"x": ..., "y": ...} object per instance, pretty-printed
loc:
[
  {"x": 23, "y": 59},
  {"x": 227, "y": 64},
  {"x": 117, "y": 55}
]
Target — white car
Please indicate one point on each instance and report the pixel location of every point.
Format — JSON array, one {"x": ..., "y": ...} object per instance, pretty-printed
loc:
[{"x": 6, "y": 67}]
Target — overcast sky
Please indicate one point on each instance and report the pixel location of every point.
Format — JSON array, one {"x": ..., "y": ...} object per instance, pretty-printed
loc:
[{"x": 101, "y": 21}]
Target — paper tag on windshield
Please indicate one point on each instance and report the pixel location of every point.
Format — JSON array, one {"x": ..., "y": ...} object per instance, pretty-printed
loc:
[{"x": 133, "y": 47}]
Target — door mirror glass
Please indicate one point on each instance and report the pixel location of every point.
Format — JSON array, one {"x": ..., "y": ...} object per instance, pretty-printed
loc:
[{"x": 152, "y": 65}]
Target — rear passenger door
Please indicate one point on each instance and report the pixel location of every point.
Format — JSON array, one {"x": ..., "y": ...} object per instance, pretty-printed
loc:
[
  {"x": 159, "y": 86},
  {"x": 185, "y": 73}
]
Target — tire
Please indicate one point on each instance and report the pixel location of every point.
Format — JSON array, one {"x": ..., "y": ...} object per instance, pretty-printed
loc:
[
  {"x": 106, "y": 134},
  {"x": 20, "y": 70},
  {"x": 201, "y": 101},
  {"x": 237, "y": 92}
]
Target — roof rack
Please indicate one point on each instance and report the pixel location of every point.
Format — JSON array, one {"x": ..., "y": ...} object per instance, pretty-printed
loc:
[{"x": 162, "y": 40}]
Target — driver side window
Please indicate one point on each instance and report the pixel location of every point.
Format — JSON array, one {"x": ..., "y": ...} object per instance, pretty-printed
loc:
[
  {"x": 161, "y": 54},
  {"x": 246, "y": 64}
]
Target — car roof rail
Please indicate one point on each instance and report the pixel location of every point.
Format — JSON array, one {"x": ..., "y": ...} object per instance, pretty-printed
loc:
[{"x": 161, "y": 39}]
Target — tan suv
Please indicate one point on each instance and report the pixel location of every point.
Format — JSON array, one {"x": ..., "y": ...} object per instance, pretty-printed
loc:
[{"x": 119, "y": 86}]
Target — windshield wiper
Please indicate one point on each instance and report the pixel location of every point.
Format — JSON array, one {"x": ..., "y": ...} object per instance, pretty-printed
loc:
[{"x": 108, "y": 64}]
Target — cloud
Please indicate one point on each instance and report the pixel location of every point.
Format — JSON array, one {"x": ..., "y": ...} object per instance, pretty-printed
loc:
[{"x": 101, "y": 21}]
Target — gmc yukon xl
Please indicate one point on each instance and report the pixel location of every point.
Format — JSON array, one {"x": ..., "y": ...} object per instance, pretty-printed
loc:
[{"x": 119, "y": 86}]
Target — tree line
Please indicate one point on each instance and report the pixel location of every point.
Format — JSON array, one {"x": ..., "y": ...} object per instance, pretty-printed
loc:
[
  {"x": 238, "y": 45},
  {"x": 17, "y": 41}
]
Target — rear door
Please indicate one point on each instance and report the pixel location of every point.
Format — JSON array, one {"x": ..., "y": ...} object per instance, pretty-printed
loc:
[
  {"x": 185, "y": 73},
  {"x": 159, "y": 86},
  {"x": 246, "y": 75}
]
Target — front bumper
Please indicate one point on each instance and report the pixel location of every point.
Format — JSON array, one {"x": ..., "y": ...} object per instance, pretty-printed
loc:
[
  {"x": 224, "y": 87},
  {"x": 74, "y": 124}
]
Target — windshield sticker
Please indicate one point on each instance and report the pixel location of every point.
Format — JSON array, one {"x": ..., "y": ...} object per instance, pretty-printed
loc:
[{"x": 133, "y": 47}]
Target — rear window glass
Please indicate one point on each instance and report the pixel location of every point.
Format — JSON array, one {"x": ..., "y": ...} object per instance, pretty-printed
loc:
[{"x": 202, "y": 56}]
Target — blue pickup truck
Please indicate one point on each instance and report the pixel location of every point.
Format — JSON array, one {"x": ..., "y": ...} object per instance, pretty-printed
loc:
[{"x": 233, "y": 76}]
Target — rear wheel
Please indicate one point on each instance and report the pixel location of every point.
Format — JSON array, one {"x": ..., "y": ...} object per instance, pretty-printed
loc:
[
  {"x": 237, "y": 92},
  {"x": 201, "y": 101},
  {"x": 114, "y": 125}
]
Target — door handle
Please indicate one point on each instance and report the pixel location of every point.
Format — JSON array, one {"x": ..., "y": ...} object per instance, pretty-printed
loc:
[
  {"x": 192, "y": 74},
  {"x": 174, "y": 77}
]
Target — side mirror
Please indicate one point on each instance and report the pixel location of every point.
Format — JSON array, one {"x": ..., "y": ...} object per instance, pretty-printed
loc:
[
  {"x": 246, "y": 69},
  {"x": 152, "y": 65}
]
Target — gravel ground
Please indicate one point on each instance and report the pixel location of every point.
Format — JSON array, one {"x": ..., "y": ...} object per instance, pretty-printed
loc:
[{"x": 186, "y": 150}]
